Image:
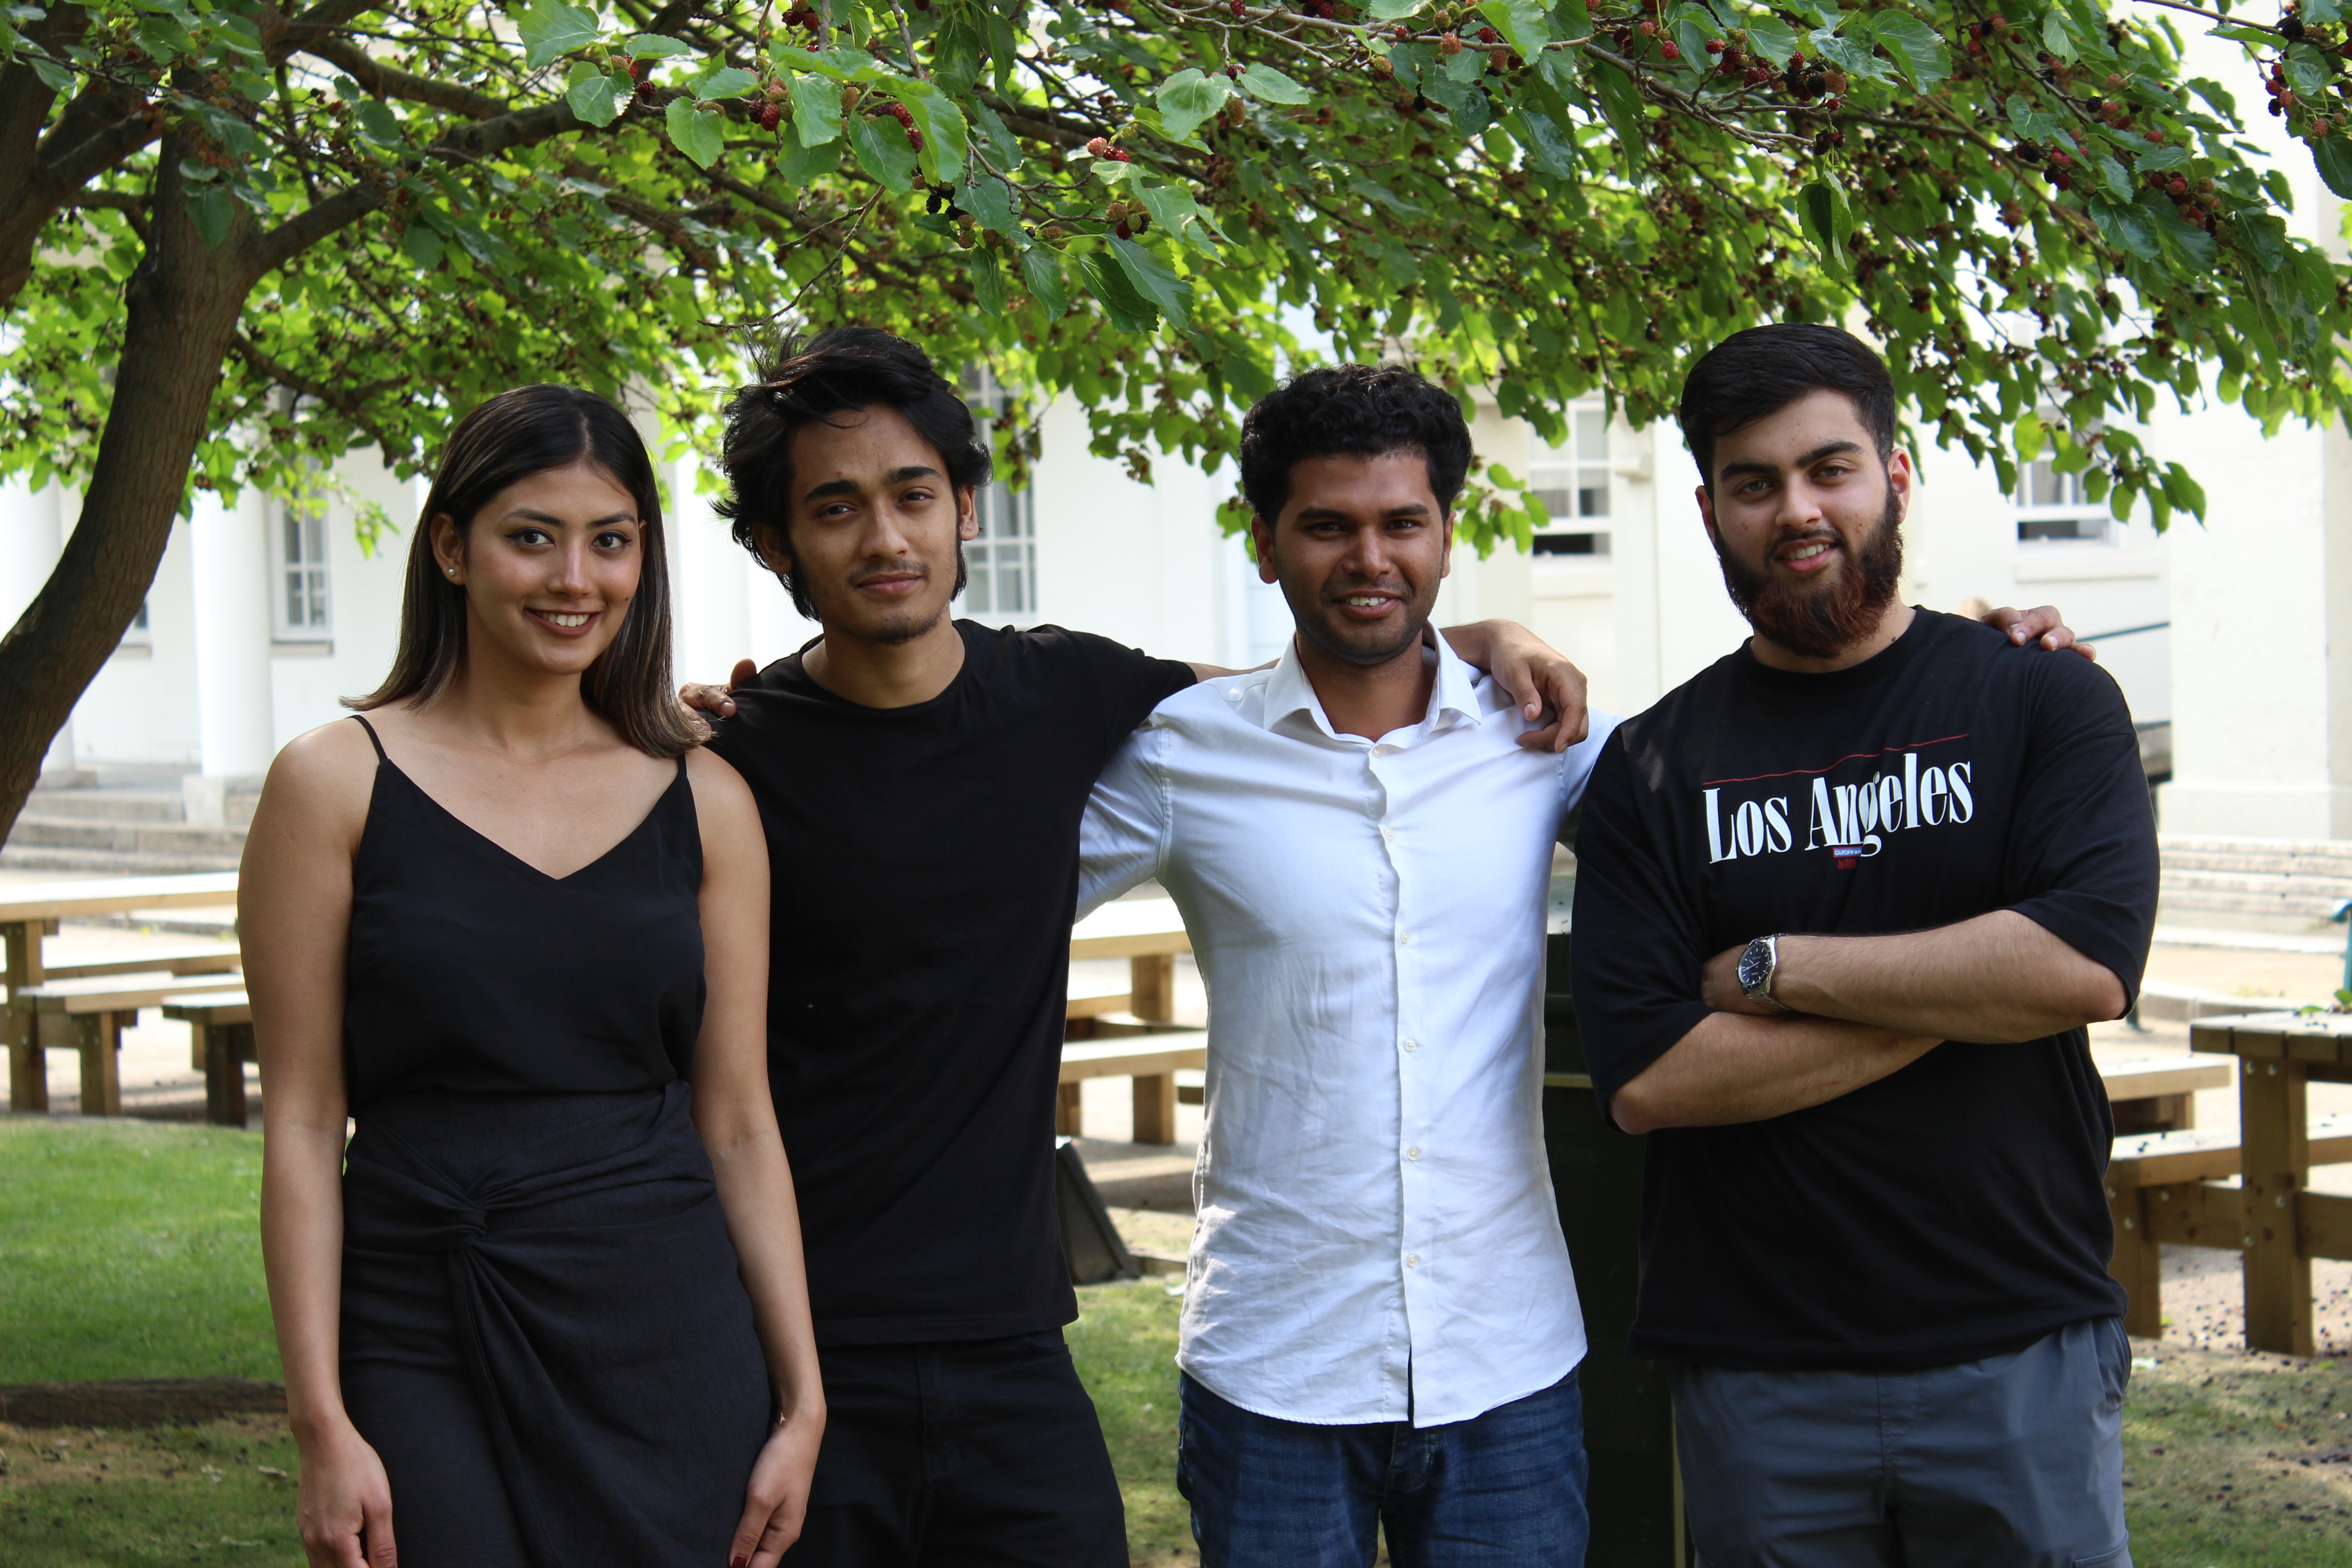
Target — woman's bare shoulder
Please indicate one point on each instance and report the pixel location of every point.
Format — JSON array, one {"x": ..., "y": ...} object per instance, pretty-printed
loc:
[{"x": 327, "y": 773}]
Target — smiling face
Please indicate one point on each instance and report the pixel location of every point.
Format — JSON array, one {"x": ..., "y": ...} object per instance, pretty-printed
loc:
[
  {"x": 875, "y": 527},
  {"x": 1807, "y": 520},
  {"x": 1359, "y": 550},
  {"x": 550, "y": 565}
]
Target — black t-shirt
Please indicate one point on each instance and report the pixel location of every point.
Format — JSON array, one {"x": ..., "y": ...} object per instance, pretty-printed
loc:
[
  {"x": 925, "y": 870},
  {"x": 1953, "y": 1209}
]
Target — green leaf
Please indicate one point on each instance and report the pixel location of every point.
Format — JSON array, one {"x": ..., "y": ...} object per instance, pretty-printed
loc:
[
  {"x": 592, "y": 94},
  {"x": 2030, "y": 434},
  {"x": 2118, "y": 181},
  {"x": 551, "y": 28},
  {"x": 654, "y": 46},
  {"x": 817, "y": 109},
  {"x": 1395, "y": 10},
  {"x": 213, "y": 210},
  {"x": 2324, "y": 12},
  {"x": 53, "y": 77},
  {"x": 1188, "y": 99},
  {"x": 1472, "y": 113},
  {"x": 423, "y": 245},
  {"x": 1106, "y": 281},
  {"x": 2032, "y": 124},
  {"x": 1269, "y": 85},
  {"x": 726, "y": 81},
  {"x": 1176, "y": 213},
  {"x": 2334, "y": 161},
  {"x": 1772, "y": 39},
  {"x": 2194, "y": 247},
  {"x": 1620, "y": 105},
  {"x": 379, "y": 125},
  {"x": 884, "y": 152},
  {"x": 987, "y": 283},
  {"x": 1466, "y": 67},
  {"x": 2124, "y": 227},
  {"x": 1918, "y": 51},
  {"x": 2263, "y": 234},
  {"x": 1522, "y": 24},
  {"x": 1040, "y": 270},
  {"x": 805, "y": 166},
  {"x": 2056, "y": 36},
  {"x": 1154, "y": 279},
  {"x": 987, "y": 198},
  {"x": 700, "y": 136},
  {"x": 1549, "y": 148},
  {"x": 1851, "y": 56},
  {"x": 946, "y": 137},
  {"x": 1827, "y": 222},
  {"x": 2156, "y": 160}
]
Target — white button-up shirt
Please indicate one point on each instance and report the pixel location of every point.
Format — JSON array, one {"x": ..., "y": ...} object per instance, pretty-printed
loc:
[{"x": 1377, "y": 1239}]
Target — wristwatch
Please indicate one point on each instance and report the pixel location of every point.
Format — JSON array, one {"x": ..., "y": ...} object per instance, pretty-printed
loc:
[{"x": 1758, "y": 965}]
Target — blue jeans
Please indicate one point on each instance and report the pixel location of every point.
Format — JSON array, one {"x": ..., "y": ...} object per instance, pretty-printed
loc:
[
  {"x": 2015, "y": 1459},
  {"x": 1504, "y": 1489}
]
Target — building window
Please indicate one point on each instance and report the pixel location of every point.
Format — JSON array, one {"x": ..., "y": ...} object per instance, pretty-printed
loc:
[
  {"x": 2052, "y": 506},
  {"x": 302, "y": 566},
  {"x": 1002, "y": 561},
  {"x": 1573, "y": 481},
  {"x": 136, "y": 634}
]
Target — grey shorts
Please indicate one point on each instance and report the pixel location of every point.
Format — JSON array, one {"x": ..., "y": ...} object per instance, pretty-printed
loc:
[{"x": 2015, "y": 1459}]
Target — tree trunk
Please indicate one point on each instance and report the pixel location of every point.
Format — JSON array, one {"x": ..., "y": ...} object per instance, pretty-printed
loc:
[{"x": 183, "y": 308}]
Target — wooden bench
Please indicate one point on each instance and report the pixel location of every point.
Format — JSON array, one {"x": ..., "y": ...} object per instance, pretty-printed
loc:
[
  {"x": 31, "y": 910},
  {"x": 2159, "y": 1093},
  {"x": 2167, "y": 1187},
  {"x": 95, "y": 1009},
  {"x": 1151, "y": 1061},
  {"x": 220, "y": 1037}
]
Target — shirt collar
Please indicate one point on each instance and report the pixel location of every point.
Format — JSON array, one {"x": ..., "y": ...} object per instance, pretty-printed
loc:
[{"x": 1453, "y": 699}]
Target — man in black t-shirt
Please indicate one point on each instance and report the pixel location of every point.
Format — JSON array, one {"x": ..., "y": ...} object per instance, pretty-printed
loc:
[
  {"x": 1873, "y": 1226},
  {"x": 921, "y": 781}
]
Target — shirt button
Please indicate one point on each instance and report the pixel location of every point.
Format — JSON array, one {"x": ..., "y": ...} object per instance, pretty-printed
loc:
[
  {"x": 1388, "y": 835},
  {"x": 1405, "y": 937},
  {"x": 1383, "y": 751},
  {"x": 1412, "y": 1261},
  {"x": 1412, "y": 1044},
  {"x": 1413, "y": 1152}
]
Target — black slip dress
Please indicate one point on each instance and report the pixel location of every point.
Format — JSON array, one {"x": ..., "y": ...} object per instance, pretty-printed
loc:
[{"x": 544, "y": 1334}]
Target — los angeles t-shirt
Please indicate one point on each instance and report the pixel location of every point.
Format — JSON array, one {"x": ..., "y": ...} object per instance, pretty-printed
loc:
[
  {"x": 925, "y": 871},
  {"x": 1953, "y": 1209}
]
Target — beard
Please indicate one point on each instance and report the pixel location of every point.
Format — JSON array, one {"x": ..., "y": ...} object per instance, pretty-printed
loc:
[{"x": 1821, "y": 620}]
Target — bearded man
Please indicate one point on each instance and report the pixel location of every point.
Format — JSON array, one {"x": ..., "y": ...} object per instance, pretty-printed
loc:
[{"x": 1844, "y": 904}]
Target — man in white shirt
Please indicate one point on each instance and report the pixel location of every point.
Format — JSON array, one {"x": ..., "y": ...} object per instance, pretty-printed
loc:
[{"x": 1380, "y": 1325}]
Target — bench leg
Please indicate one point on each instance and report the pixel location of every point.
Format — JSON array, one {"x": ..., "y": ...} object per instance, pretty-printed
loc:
[
  {"x": 1066, "y": 1109},
  {"x": 2277, "y": 1142},
  {"x": 1155, "y": 1108},
  {"x": 101, "y": 1043},
  {"x": 224, "y": 1057},
  {"x": 2139, "y": 1262},
  {"x": 1151, "y": 986},
  {"x": 28, "y": 1077}
]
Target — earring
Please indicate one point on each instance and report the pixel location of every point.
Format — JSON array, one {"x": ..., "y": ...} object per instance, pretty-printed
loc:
[{"x": 451, "y": 570}]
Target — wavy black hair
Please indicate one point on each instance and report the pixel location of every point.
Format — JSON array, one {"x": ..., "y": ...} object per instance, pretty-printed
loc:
[
  {"x": 802, "y": 384},
  {"x": 1351, "y": 411},
  {"x": 535, "y": 430},
  {"x": 1753, "y": 375}
]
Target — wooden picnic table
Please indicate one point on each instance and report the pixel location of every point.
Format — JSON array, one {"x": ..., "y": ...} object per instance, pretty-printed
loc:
[
  {"x": 2282, "y": 1225},
  {"x": 31, "y": 910},
  {"x": 1148, "y": 934}
]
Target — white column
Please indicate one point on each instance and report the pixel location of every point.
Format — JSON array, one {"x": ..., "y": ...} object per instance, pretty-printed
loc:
[
  {"x": 32, "y": 531},
  {"x": 710, "y": 608},
  {"x": 230, "y": 561}
]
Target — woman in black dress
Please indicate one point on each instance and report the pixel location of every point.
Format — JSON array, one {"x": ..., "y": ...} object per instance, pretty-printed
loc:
[{"x": 514, "y": 923}]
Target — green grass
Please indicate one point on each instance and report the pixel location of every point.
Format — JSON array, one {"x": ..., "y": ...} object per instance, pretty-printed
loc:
[{"x": 130, "y": 1250}]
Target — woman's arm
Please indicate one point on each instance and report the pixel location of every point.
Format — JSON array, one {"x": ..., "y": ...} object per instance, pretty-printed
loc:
[
  {"x": 737, "y": 1118},
  {"x": 294, "y": 913}
]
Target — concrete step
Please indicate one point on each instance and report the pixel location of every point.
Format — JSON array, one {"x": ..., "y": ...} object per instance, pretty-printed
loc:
[
  {"x": 40, "y": 831},
  {"x": 17, "y": 857},
  {"x": 109, "y": 805}
]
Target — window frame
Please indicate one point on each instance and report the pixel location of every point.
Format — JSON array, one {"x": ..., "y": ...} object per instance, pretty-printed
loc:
[
  {"x": 1545, "y": 458},
  {"x": 990, "y": 551},
  {"x": 284, "y": 516}
]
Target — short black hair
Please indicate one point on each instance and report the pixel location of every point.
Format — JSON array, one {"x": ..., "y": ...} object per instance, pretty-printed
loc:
[
  {"x": 1753, "y": 375},
  {"x": 1351, "y": 411},
  {"x": 806, "y": 383}
]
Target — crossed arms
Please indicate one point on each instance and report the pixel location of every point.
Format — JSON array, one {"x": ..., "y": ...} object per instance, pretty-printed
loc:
[{"x": 1861, "y": 1008}]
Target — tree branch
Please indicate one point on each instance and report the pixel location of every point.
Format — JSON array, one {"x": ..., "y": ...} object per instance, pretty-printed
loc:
[{"x": 382, "y": 80}]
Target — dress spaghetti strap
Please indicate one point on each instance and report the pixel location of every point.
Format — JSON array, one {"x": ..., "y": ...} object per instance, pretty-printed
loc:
[{"x": 362, "y": 721}]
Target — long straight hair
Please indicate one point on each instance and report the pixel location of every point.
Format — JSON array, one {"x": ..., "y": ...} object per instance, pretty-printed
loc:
[{"x": 535, "y": 430}]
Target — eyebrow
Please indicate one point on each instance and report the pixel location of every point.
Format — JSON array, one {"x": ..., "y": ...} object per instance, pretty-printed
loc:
[
  {"x": 1316, "y": 513},
  {"x": 526, "y": 515},
  {"x": 1806, "y": 460},
  {"x": 895, "y": 476}
]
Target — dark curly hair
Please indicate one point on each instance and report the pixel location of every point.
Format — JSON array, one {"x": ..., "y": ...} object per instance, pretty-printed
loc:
[
  {"x": 1754, "y": 375},
  {"x": 838, "y": 372},
  {"x": 1351, "y": 411}
]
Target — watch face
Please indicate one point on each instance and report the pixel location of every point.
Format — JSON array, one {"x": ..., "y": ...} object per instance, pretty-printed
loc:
[{"x": 1753, "y": 967}]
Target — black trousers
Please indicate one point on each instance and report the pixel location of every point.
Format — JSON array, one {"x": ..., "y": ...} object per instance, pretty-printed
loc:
[{"x": 967, "y": 1454}]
